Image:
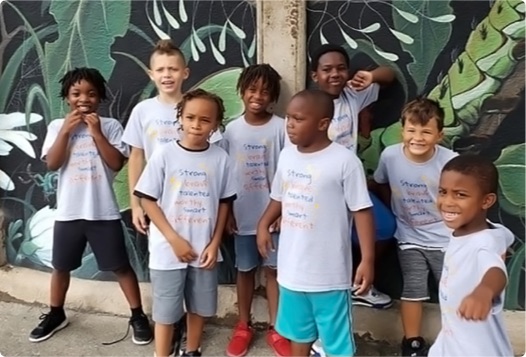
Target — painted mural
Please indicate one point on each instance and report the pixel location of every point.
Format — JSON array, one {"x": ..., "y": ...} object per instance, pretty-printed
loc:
[
  {"x": 41, "y": 40},
  {"x": 468, "y": 55}
]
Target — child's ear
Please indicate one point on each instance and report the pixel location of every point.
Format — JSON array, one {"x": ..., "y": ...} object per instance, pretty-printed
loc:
[
  {"x": 441, "y": 135},
  {"x": 150, "y": 74},
  {"x": 489, "y": 200},
  {"x": 314, "y": 76},
  {"x": 324, "y": 124},
  {"x": 186, "y": 73}
]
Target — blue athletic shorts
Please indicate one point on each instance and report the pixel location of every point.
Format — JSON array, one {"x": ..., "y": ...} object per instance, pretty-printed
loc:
[
  {"x": 383, "y": 218},
  {"x": 303, "y": 317}
]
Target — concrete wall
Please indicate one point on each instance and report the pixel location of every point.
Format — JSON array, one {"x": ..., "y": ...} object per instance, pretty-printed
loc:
[{"x": 468, "y": 55}]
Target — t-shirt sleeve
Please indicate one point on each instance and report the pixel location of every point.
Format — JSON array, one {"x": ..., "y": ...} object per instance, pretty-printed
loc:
[
  {"x": 487, "y": 259},
  {"x": 367, "y": 96},
  {"x": 355, "y": 186},
  {"x": 276, "y": 190},
  {"x": 223, "y": 143},
  {"x": 51, "y": 135},
  {"x": 228, "y": 191},
  {"x": 380, "y": 174},
  {"x": 115, "y": 138},
  {"x": 151, "y": 182},
  {"x": 134, "y": 132}
]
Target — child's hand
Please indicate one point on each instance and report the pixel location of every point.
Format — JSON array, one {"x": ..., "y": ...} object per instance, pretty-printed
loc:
[
  {"x": 264, "y": 240},
  {"x": 361, "y": 80},
  {"x": 275, "y": 226},
  {"x": 231, "y": 224},
  {"x": 139, "y": 220},
  {"x": 183, "y": 250},
  {"x": 477, "y": 305},
  {"x": 209, "y": 257},
  {"x": 93, "y": 122},
  {"x": 73, "y": 119},
  {"x": 363, "y": 278}
]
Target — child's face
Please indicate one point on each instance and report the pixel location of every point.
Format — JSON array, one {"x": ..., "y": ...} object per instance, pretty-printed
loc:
[
  {"x": 420, "y": 140},
  {"x": 303, "y": 123},
  {"x": 199, "y": 119},
  {"x": 256, "y": 97},
  {"x": 168, "y": 72},
  {"x": 462, "y": 202},
  {"x": 332, "y": 73},
  {"x": 83, "y": 96}
]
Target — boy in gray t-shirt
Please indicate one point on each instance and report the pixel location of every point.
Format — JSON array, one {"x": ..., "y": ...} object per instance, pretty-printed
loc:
[
  {"x": 408, "y": 172},
  {"x": 474, "y": 275}
]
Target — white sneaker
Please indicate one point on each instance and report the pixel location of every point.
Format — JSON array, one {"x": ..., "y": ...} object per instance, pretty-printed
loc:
[
  {"x": 373, "y": 298},
  {"x": 317, "y": 349}
]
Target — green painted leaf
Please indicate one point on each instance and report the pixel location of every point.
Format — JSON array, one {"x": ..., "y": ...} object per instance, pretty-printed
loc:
[
  {"x": 515, "y": 267},
  {"x": 121, "y": 189},
  {"x": 223, "y": 84},
  {"x": 392, "y": 134},
  {"x": 430, "y": 36},
  {"x": 511, "y": 167},
  {"x": 28, "y": 248},
  {"x": 86, "y": 32}
]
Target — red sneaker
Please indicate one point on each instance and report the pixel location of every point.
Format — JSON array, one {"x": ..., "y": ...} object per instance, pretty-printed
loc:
[
  {"x": 279, "y": 344},
  {"x": 240, "y": 341}
]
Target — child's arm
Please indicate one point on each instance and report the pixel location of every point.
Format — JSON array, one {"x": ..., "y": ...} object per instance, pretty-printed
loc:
[
  {"x": 135, "y": 167},
  {"x": 264, "y": 239},
  {"x": 382, "y": 190},
  {"x": 364, "y": 222},
  {"x": 109, "y": 154},
  {"x": 181, "y": 247},
  {"x": 383, "y": 75},
  {"x": 58, "y": 153},
  {"x": 363, "y": 79},
  {"x": 209, "y": 256}
]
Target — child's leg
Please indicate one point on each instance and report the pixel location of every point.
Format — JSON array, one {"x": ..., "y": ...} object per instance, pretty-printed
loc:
[
  {"x": 201, "y": 301},
  {"x": 167, "y": 306},
  {"x": 69, "y": 243},
  {"x": 333, "y": 315},
  {"x": 106, "y": 239},
  {"x": 415, "y": 271},
  {"x": 296, "y": 320},
  {"x": 272, "y": 293}
]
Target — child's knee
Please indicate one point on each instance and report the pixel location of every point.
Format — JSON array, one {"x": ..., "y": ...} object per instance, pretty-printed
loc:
[
  {"x": 123, "y": 271},
  {"x": 271, "y": 273}
]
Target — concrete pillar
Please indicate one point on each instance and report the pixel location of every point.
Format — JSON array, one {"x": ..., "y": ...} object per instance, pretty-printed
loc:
[{"x": 282, "y": 41}]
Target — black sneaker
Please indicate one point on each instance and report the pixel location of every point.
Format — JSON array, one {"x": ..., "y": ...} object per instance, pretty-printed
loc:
[
  {"x": 414, "y": 347},
  {"x": 142, "y": 332},
  {"x": 50, "y": 324},
  {"x": 192, "y": 353}
]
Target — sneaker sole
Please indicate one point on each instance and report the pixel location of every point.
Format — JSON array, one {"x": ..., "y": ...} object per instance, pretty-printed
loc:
[
  {"x": 63, "y": 325},
  {"x": 374, "y": 306},
  {"x": 141, "y": 343}
]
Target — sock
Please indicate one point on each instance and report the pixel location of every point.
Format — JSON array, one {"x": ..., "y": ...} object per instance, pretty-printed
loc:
[
  {"x": 137, "y": 311},
  {"x": 57, "y": 310}
]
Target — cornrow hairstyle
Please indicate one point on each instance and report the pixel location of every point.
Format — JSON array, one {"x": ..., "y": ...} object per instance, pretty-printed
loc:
[
  {"x": 326, "y": 48},
  {"x": 269, "y": 76},
  {"x": 167, "y": 47},
  {"x": 202, "y": 94},
  {"x": 421, "y": 110},
  {"x": 479, "y": 167},
  {"x": 91, "y": 75}
]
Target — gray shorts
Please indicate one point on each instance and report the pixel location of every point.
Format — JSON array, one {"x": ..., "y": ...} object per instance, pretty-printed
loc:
[
  {"x": 415, "y": 264},
  {"x": 195, "y": 287}
]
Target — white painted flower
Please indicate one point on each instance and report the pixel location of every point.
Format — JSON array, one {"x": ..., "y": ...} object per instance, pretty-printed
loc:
[
  {"x": 19, "y": 138},
  {"x": 41, "y": 234}
]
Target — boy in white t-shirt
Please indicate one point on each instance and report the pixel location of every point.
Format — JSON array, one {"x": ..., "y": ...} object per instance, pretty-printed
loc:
[
  {"x": 330, "y": 68},
  {"x": 254, "y": 142},
  {"x": 474, "y": 277},
  {"x": 408, "y": 173},
  {"x": 186, "y": 189},
  {"x": 318, "y": 184},
  {"x": 87, "y": 151}
]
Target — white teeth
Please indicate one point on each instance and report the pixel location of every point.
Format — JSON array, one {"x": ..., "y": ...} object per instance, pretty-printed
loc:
[{"x": 449, "y": 216}]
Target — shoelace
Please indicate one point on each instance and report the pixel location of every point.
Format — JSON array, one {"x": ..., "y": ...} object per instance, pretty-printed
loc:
[
  {"x": 121, "y": 339},
  {"x": 46, "y": 318}
]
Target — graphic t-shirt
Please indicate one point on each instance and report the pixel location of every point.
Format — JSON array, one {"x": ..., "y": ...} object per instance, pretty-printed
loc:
[
  {"x": 467, "y": 260},
  {"x": 85, "y": 181},
  {"x": 317, "y": 191},
  {"x": 254, "y": 151},
  {"x": 188, "y": 186},
  {"x": 414, "y": 191},
  {"x": 153, "y": 123}
]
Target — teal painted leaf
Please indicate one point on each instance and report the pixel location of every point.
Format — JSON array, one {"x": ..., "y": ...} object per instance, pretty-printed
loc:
[
  {"x": 86, "y": 32},
  {"x": 430, "y": 33},
  {"x": 515, "y": 267},
  {"x": 223, "y": 84},
  {"x": 121, "y": 189},
  {"x": 28, "y": 248},
  {"x": 511, "y": 166}
]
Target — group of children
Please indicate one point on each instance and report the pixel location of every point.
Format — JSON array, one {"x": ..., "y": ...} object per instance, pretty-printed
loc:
[{"x": 295, "y": 197}]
